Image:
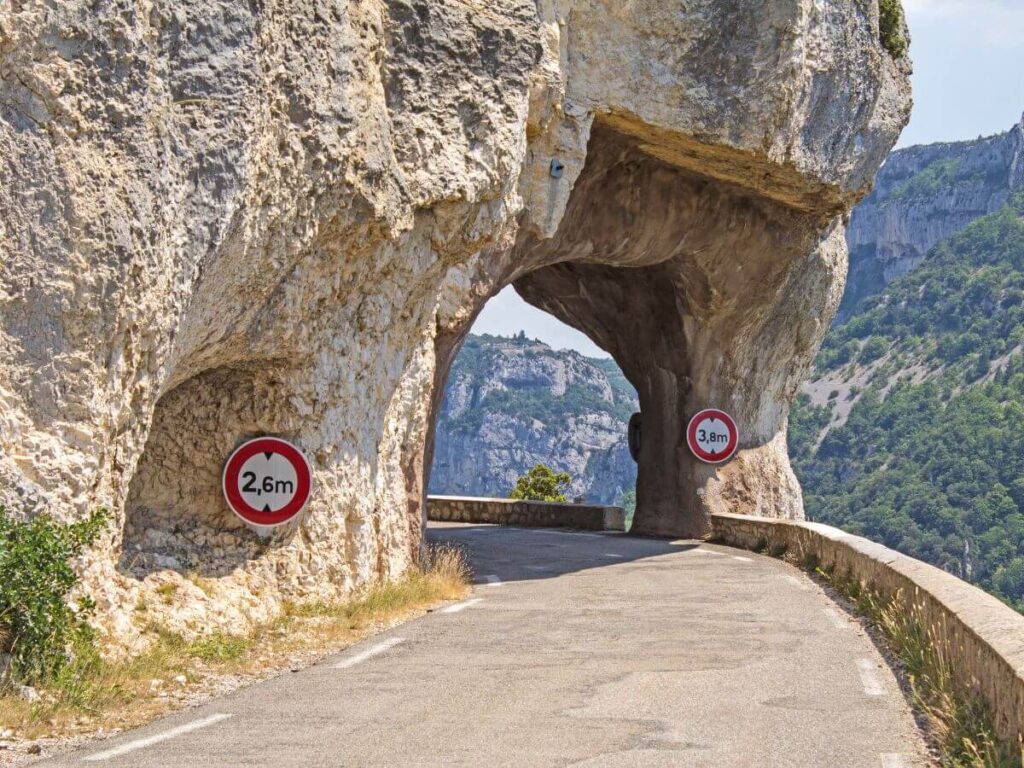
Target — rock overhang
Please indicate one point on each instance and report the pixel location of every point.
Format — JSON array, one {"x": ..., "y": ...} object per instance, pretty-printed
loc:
[{"x": 796, "y": 100}]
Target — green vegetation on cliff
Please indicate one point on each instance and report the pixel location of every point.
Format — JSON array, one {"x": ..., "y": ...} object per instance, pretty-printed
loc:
[
  {"x": 962, "y": 308},
  {"x": 891, "y": 28},
  {"x": 930, "y": 459}
]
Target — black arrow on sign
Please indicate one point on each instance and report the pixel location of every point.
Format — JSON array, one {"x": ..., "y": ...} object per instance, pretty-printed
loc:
[
  {"x": 268, "y": 454},
  {"x": 266, "y": 508}
]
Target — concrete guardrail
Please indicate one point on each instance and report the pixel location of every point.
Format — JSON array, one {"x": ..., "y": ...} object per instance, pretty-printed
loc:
[
  {"x": 981, "y": 637},
  {"x": 530, "y": 514}
]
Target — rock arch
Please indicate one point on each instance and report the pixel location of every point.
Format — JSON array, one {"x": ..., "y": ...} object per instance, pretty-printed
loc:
[
  {"x": 222, "y": 219},
  {"x": 705, "y": 295}
]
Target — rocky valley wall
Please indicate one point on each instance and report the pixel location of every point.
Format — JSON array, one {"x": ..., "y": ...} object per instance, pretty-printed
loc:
[
  {"x": 513, "y": 403},
  {"x": 923, "y": 195},
  {"x": 222, "y": 219}
]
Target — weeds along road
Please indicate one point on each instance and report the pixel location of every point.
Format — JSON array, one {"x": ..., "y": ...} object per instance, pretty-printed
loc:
[{"x": 579, "y": 649}]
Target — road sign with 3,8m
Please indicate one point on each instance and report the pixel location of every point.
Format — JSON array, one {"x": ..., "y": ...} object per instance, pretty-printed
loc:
[
  {"x": 267, "y": 481},
  {"x": 712, "y": 436}
]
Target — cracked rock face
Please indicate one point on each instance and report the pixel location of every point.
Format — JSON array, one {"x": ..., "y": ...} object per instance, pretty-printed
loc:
[
  {"x": 893, "y": 229},
  {"x": 224, "y": 219}
]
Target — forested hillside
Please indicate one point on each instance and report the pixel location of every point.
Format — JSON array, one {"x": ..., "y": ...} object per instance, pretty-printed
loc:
[
  {"x": 912, "y": 432},
  {"x": 922, "y": 196}
]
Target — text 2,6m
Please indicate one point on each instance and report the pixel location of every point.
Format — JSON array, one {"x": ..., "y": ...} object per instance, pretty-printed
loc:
[{"x": 268, "y": 485}]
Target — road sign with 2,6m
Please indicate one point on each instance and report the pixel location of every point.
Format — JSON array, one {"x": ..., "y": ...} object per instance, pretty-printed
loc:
[
  {"x": 712, "y": 436},
  {"x": 267, "y": 481}
]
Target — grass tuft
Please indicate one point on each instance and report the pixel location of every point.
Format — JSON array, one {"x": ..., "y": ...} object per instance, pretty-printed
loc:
[
  {"x": 90, "y": 693},
  {"x": 167, "y": 592},
  {"x": 219, "y": 647},
  {"x": 960, "y": 723}
]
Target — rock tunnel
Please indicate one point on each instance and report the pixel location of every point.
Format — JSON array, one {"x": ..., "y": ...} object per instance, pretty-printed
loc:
[
  {"x": 296, "y": 242},
  {"x": 698, "y": 289}
]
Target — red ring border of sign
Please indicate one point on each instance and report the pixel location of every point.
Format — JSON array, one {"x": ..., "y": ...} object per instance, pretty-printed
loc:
[
  {"x": 731, "y": 446},
  {"x": 243, "y": 453}
]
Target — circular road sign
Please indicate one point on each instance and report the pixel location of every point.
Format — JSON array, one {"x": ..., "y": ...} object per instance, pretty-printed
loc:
[
  {"x": 267, "y": 481},
  {"x": 712, "y": 436}
]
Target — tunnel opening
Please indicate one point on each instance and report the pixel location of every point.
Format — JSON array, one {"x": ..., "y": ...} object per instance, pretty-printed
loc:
[
  {"x": 654, "y": 367},
  {"x": 692, "y": 284},
  {"x": 512, "y": 402}
]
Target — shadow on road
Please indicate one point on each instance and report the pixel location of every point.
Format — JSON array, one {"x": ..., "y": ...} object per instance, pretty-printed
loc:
[{"x": 511, "y": 554}]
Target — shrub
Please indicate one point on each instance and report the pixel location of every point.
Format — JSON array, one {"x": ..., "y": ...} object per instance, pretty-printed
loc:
[
  {"x": 39, "y": 628},
  {"x": 629, "y": 506},
  {"x": 542, "y": 484},
  {"x": 873, "y": 349},
  {"x": 890, "y": 27}
]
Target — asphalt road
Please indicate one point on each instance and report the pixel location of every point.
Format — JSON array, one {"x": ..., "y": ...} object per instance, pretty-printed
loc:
[{"x": 574, "y": 649}]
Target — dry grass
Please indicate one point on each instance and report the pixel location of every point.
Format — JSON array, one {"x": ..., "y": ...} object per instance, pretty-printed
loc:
[
  {"x": 959, "y": 723},
  {"x": 128, "y": 693}
]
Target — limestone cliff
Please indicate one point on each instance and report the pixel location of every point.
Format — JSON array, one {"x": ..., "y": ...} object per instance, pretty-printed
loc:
[
  {"x": 923, "y": 195},
  {"x": 513, "y": 403},
  {"x": 222, "y": 219}
]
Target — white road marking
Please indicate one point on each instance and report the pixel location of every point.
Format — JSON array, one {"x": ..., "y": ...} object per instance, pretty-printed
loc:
[
  {"x": 538, "y": 567},
  {"x": 742, "y": 559},
  {"x": 708, "y": 552},
  {"x": 131, "y": 746},
  {"x": 612, "y": 554},
  {"x": 369, "y": 653},
  {"x": 461, "y": 606},
  {"x": 798, "y": 583},
  {"x": 492, "y": 580},
  {"x": 835, "y": 618},
  {"x": 893, "y": 760},
  {"x": 870, "y": 678}
]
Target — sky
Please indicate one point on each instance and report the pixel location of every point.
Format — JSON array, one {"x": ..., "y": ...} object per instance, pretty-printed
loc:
[{"x": 968, "y": 82}]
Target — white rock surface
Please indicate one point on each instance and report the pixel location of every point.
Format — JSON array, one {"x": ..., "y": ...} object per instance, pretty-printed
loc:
[{"x": 222, "y": 219}]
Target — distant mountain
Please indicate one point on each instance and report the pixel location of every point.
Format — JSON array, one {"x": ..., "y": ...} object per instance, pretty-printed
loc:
[
  {"x": 911, "y": 428},
  {"x": 923, "y": 195},
  {"x": 512, "y": 403}
]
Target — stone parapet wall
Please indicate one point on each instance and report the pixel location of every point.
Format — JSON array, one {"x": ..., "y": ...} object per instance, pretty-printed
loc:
[
  {"x": 534, "y": 514},
  {"x": 982, "y": 638}
]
